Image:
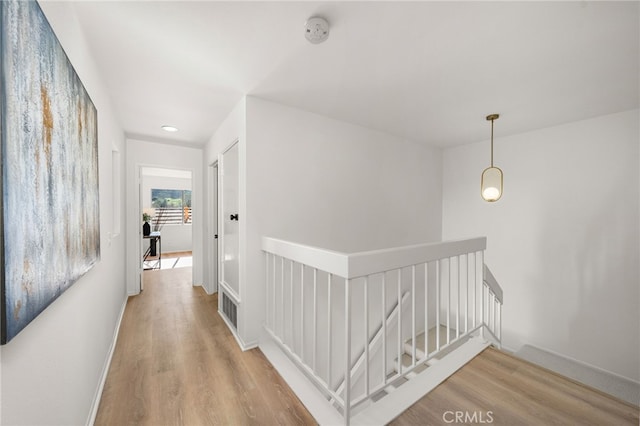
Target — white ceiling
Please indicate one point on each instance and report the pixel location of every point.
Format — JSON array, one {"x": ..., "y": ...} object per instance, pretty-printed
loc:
[{"x": 427, "y": 71}]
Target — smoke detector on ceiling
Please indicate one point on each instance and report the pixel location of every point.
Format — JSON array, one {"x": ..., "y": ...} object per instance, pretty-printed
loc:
[{"x": 316, "y": 30}]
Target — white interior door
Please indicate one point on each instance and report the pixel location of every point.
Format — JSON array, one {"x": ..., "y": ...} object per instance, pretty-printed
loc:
[
  {"x": 229, "y": 222},
  {"x": 213, "y": 237}
]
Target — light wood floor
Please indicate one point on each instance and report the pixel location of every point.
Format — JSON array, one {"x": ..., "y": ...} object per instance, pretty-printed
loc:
[
  {"x": 500, "y": 389},
  {"x": 171, "y": 255},
  {"x": 176, "y": 363}
]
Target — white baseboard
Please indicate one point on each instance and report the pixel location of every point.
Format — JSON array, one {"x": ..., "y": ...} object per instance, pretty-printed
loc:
[
  {"x": 206, "y": 290},
  {"x": 605, "y": 381},
  {"x": 244, "y": 346},
  {"x": 105, "y": 370}
]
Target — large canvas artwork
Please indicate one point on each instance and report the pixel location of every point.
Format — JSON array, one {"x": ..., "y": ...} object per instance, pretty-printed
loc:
[{"x": 50, "y": 223}]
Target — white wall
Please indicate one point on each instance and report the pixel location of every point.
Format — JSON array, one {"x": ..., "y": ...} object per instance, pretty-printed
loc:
[
  {"x": 52, "y": 369},
  {"x": 323, "y": 182},
  {"x": 175, "y": 237},
  {"x": 336, "y": 185},
  {"x": 150, "y": 154},
  {"x": 564, "y": 239}
]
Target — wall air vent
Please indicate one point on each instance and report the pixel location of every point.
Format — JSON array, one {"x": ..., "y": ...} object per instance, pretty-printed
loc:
[{"x": 230, "y": 310}]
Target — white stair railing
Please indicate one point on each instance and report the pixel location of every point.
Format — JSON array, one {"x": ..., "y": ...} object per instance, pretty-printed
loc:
[
  {"x": 360, "y": 367},
  {"x": 330, "y": 311}
]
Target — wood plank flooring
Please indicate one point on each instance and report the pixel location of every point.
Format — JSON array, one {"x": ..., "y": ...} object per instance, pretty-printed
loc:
[
  {"x": 499, "y": 389},
  {"x": 176, "y": 363}
]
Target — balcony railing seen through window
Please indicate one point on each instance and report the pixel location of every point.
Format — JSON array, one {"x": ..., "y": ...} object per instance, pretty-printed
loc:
[{"x": 172, "y": 207}]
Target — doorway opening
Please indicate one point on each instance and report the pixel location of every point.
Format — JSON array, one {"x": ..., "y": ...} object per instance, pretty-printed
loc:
[{"x": 165, "y": 205}]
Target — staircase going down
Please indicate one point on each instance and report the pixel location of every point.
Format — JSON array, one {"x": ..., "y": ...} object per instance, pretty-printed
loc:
[
  {"x": 403, "y": 391},
  {"x": 351, "y": 323},
  {"x": 407, "y": 358}
]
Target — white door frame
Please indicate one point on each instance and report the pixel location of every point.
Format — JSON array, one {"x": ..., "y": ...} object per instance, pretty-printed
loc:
[
  {"x": 212, "y": 239},
  {"x": 141, "y": 249},
  {"x": 140, "y": 263},
  {"x": 221, "y": 223}
]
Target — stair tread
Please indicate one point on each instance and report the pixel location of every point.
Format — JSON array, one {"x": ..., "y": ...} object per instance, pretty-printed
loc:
[
  {"x": 421, "y": 365},
  {"x": 431, "y": 340},
  {"x": 407, "y": 361}
]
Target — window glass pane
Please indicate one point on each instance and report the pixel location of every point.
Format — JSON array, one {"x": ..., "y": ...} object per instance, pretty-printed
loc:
[
  {"x": 186, "y": 203},
  {"x": 166, "y": 197},
  {"x": 172, "y": 207}
]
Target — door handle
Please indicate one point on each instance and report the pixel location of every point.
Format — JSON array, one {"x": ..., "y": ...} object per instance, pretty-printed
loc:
[
  {"x": 233, "y": 217},
  {"x": 215, "y": 236}
]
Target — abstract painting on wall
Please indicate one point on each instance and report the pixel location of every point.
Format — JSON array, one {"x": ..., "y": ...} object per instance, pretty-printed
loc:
[{"x": 50, "y": 223}]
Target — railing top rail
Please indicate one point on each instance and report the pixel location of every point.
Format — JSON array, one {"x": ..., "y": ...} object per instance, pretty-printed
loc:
[
  {"x": 491, "y": 281},
  {"x": 327, "y": 260},
  {"x": 360, "y": 264},
  {"x": 376, "y": 261}
]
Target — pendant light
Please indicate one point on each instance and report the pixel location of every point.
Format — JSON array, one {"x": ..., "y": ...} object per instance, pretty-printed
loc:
[{"x": 491, "y": 183}]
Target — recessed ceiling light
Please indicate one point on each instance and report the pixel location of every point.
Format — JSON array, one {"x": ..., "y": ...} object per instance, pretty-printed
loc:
[{"x": 169, "y": 128}]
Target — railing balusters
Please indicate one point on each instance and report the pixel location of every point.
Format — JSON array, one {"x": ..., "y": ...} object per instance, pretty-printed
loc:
[
  {"x": 366, "y": 335},
  {"x": 426, "y": 309},
  {"x": 449, "y": 303},
  {"x": 282, "y": 297},
  {"x": 273, "y": 313},
  {"x": 347, "y": 344},
  {"x": 315, "y": 317},
  {"x": 466, "y": 297},
  {"x": 400, "y": 321},
  {"x": 384, "y": 328},
  {"x": 302, "y": 345},
  {"x": 413, "y": 315},
  {"x": 493, "y": 313},
  {"x": 458, "y": 278},
  {"x": 487, "y": 311},
  {"x": 490, "y": 311},
  {"x": 482, "y": 311},
  {"x": 329, "y": 327},
  {"x": 291, "y": 321},
  {"x": 500, "y": 326},
  {"x": 268, "y": 288},
  {"x": 473, "y": 287},
  {"x": 438, "y": 278},
  {"x": 459, "y": 272},
  {"x": 482, "y": 288}
]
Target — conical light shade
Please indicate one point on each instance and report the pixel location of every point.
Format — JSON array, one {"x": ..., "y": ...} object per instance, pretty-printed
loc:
[{"x": 491, "y": 184}]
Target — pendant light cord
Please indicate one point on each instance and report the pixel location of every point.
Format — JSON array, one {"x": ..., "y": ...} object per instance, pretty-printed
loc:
[{"x": 492, "y": 143}]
